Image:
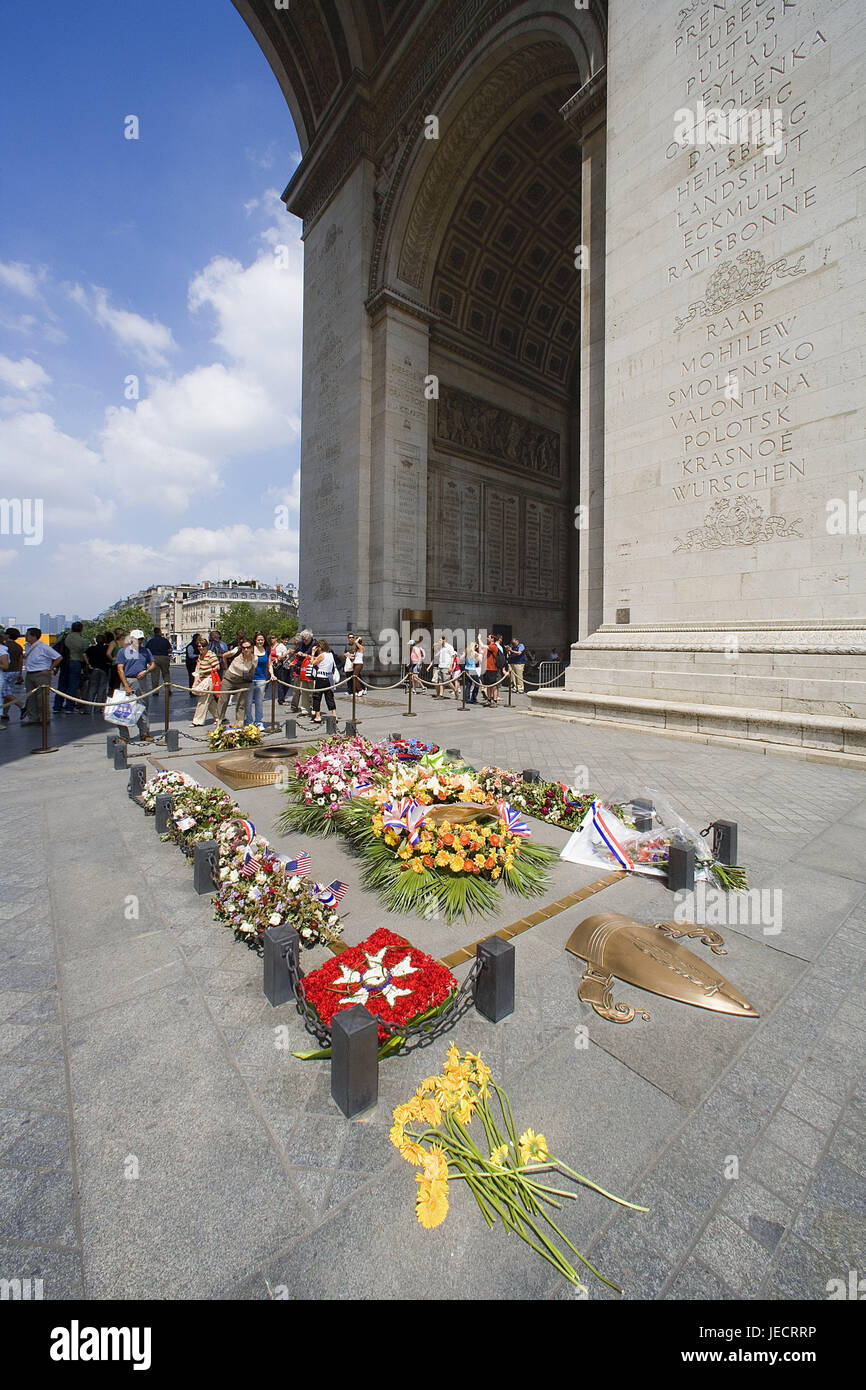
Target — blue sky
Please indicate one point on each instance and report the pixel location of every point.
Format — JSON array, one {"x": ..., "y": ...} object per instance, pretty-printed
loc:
[{"x": 168, "y": 258}]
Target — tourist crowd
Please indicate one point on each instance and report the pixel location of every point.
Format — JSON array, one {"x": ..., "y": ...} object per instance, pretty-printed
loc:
[{"x": 303, "y": 668}]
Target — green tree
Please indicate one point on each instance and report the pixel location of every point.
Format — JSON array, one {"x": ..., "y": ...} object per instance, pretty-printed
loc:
[
  {"x": 271, "y": 621},
  {"x": 127, "y": 618}
]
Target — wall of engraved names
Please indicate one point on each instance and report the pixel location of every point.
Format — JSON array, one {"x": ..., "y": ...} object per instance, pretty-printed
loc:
[
  {"x": 743, "y": 366},
  {"x": 487, "y": 535}
]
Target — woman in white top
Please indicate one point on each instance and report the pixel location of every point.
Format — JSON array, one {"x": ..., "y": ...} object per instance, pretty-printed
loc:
[
  {"x": 358, "y": 667},
  {"x": 324, "y": 676}
]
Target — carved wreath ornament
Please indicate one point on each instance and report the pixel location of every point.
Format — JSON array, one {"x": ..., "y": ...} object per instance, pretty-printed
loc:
[
  {"x": 735, "y": 281},
  {"x": 736, "y": 521}
]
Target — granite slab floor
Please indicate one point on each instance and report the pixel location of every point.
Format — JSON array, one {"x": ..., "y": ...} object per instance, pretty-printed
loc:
[{"x": 157, "y": 1139}]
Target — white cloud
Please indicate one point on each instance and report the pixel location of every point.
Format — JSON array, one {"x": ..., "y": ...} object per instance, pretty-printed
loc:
[
  {"x": 148, "y": 339},
  {"x": 17, "y": 276},
  {"x": 24, "y": 375},
  {"x": 27, "y": 379},
  {"x": 268, "y": 552},
  {"x": 177, "y": 442},
  {"x": 41, "y": 461}
]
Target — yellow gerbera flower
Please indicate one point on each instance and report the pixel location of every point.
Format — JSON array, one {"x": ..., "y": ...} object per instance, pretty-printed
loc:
[
  {"x": 464, "y": 1110},
  {"x": 412, "y": 1152},
  {"x": 436, "y": 1164},
  {"x": 431, "y": 1203},
  {"x": 395, "y": 1134},
  {"x": 402, "y": 1115},
  {"x": 444, "y": 1092},
  {"x": 432, "y": 1112},
  {"x": 499, "y": 1155},
  {"x": 415, "y": 1107},
  {"x": 533, "y": 1147},
  {"x": 452, "y": 1059}
]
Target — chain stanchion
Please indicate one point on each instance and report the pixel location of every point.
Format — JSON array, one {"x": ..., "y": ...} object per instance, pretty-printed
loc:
[
  {"x": 167, "y": 697},
  {"x": 510, "y": 687},
  {"x": 409, "y": 712},
  {"x": 354, "y": 700},
  {"x": 273, "y": 706},
  {"x": 45, "y": 748},
  {"x": 463, "y": 703}
]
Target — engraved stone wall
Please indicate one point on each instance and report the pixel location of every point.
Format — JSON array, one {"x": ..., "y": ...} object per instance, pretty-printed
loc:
[{"x": 734, "y": 356}]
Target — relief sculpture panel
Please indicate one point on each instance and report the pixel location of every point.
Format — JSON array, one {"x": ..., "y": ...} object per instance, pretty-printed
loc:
[{"x": 472, "y": 426}]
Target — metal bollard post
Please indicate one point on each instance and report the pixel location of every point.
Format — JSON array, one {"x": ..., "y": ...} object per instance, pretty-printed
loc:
[
  {"x": 166, "y": 695},
  {"x": 273, "y": 706},
  {"x": 279, "y": 944},
  {"x": 290, "y": 729},
  {"x": 354, "y": 1060},
  {"x": 494, "y": 988},
  {"x": 725, "y": 841},
  {"x": 110, "y": 741},
  {"x": 643, "y": 814},
  {"x": 121, "y": 750},
  {"x": 351, "y": 728},
  {"x": 410, "y": 713},
  {"x": 204, "y": 861},
  {"x": 463, "y": 699},
  {"x": 172, "y": 740},
  {"x": 330, "y": 723},
  {"x": 531, "y": 774},
  {"x": 163, "y": 807},
  {"x": 137, "y": 780},
  {"x": 681, "y": 868},
  {"x": 509, "y": 692}
]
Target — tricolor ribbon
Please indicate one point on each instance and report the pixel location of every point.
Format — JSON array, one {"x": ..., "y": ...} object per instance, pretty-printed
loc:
[
  {"x": 332, "y": 895},
  {"x": 609, "y": 839},
  {"x": 513, "y": 824},
  {"x": 405, "y": 815}
]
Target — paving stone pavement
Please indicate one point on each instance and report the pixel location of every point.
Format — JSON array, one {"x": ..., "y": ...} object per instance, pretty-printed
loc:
[{"x": 157, "y": 1141}]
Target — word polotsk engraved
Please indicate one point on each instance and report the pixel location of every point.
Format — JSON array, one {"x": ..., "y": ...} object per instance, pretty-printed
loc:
[{"x": 651, "y": 958}]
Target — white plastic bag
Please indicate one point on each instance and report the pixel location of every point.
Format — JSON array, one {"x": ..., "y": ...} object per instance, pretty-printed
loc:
[{"x": 120, "y": 709}]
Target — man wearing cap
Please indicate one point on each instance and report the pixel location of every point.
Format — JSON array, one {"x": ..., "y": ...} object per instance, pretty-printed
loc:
[{"x": 132, "y": 667}]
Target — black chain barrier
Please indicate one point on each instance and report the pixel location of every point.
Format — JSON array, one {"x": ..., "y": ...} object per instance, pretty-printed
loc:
[{"x": 414, "y": 1035}]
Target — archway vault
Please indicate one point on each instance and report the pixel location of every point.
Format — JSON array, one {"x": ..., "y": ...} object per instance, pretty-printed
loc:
[{"x": 447, "y": 259}]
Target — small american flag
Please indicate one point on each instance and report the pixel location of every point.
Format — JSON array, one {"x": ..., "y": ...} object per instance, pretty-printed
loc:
[
  {"x": 250, "y": 866},
  {"x": 333, "y": 894},
  {"x": 301, "y": 865}
]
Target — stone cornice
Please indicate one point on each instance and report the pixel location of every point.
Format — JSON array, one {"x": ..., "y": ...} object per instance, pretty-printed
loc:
[
  {"x": 388, "y": 298},
  {"x": 842, "y": 637},
  {"x": 332, "y": 154},
  {"x": 587, "y": 108}
]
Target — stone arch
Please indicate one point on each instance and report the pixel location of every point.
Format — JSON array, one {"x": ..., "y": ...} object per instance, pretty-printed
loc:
[{"x": 474, "y": 98}]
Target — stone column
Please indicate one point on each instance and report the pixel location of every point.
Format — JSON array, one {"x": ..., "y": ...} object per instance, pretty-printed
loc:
[
  {"x": 335, "y": 435},
  {"x": 398, "y": 474},
  {"x": 586, "y": 112}
]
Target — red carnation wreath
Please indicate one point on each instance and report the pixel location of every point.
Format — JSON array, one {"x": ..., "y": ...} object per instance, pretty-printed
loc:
[{"x": 386, "y": 975}]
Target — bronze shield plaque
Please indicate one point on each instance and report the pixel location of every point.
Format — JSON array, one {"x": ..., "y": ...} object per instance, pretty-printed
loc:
[{"x": 651, "y": 957}]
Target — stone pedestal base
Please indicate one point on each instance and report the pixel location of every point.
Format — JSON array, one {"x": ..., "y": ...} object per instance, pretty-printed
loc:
[{"x": 785, "y": 685}]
